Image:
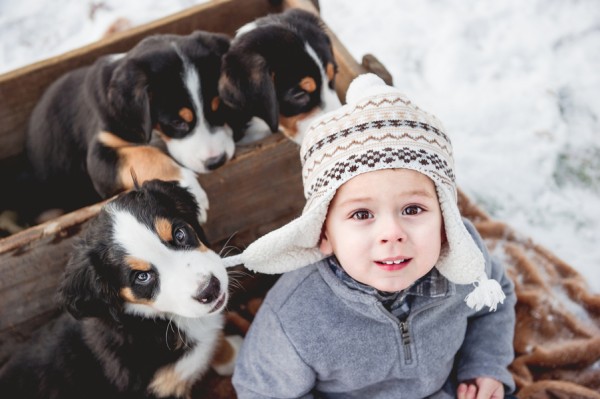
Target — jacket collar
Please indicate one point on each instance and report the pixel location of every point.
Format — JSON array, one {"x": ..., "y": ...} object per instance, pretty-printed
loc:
[{"x": 431, "y": 286}]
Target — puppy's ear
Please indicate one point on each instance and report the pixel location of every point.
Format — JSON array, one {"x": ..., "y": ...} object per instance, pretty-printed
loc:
[
  {"x": 129, "y": 101},
  {"x": 218, "y": 43},
  {"x": 246, "y": 84},
  {"x": 83, "y": 291}
]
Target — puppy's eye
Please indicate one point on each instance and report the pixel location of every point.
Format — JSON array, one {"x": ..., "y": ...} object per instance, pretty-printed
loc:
[
  {"x": 296, "y": 97},
  {"x": 143, "y": 278},
  {"x": 301, "y": 97},
  {"x": 180, "y": 236},
  {"x": 179, "y": 124}
]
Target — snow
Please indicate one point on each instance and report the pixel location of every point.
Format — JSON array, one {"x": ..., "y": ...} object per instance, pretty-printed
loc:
[{"x": 516, "y": 84}]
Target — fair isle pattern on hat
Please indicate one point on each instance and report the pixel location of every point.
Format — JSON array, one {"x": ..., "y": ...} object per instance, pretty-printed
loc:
[
  {"x": 397, "y": 123},
  {"x": 381, "y": 132},
  {"x": 373, "y": 159},
  {"x": 379, "y": 128}
]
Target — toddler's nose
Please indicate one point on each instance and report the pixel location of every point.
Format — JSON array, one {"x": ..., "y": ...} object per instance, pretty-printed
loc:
[{"x": 392, "y": 231}]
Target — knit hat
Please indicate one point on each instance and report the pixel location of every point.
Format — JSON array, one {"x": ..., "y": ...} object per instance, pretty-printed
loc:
[{"x": 378, "y": 128}]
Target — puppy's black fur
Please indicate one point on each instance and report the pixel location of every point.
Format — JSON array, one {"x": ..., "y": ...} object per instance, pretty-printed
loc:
[
  {"x": 118, "y": 341},
  {"x": 280, "y": 68}
]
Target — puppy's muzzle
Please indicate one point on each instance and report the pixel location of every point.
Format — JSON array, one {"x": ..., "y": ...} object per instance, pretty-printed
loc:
[
  {"x": 209, "y": 293},
  {"x": 215, "y": 162}
]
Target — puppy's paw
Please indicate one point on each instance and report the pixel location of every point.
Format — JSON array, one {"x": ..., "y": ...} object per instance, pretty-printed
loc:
[
  {"x": 256, "y": 130},
  {"x": 190, "y": 181},
  {"x": 224, "y": 361}
]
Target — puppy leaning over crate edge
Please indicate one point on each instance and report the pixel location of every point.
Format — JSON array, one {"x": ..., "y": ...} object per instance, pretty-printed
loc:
[
  {"x": 280, "y": 73},
  {"x": 145, "y": 298},
  {"x": 95, "y": 123}
]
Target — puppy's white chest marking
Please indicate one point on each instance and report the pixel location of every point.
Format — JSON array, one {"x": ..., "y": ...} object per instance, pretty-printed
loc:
[{"x": 205, "y": 332}]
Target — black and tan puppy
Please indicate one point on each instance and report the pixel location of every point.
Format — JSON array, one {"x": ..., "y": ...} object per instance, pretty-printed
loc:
[
  {"x": 280, "y": 69},
  {"x": 93, "y": 125},
  {"x": 145, "y": 298}
]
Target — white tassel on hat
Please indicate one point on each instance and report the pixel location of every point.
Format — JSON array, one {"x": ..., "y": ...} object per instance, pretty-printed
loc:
[{"x": 487, "y": 292}]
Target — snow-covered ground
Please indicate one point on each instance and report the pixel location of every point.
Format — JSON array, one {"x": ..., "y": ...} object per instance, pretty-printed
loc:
[{"x": 515, "y": 82}]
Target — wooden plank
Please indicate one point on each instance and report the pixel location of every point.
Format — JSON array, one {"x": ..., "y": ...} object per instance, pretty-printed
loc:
[
  {"x": 259, "y": 190},
  {"x": 21, "y": 89}
]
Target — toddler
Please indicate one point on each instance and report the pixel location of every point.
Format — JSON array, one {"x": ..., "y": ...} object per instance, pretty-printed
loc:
[{"x": 389, "y": 293}]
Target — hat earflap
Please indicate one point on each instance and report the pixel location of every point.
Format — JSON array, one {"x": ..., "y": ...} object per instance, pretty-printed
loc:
[
  {"x": 461, "y": 261},
  {"x": 287, "y": 248}
]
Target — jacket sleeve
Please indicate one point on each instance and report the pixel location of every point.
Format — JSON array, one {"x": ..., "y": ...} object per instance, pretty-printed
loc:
[
  {"x": 268, "y": 365},
  {"x": 487, "y": 350}
]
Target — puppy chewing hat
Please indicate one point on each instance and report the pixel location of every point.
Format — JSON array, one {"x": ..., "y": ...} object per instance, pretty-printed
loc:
[{"x": 378, "y": 128}]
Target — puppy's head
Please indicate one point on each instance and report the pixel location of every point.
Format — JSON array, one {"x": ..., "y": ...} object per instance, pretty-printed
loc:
[
  {"x": 168, "y": 84},
  {"x": 281, "y": 69},
  {"x": 144, "y": 255}
]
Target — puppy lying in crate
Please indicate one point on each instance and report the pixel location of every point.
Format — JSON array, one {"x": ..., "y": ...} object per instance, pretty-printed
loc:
[
  {"x": 94, "y": 123},
  {"x": 280, "y": 69},
  {"x": 145, "y": 298}
]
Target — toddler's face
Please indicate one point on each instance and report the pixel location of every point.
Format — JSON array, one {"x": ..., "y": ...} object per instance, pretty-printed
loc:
[{"x": 385, "y": 228}]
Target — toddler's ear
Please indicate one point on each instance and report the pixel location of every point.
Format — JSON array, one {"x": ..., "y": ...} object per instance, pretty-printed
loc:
[
  {"x": 443, "y": 233},
  {"x": 325, "y": 245}
]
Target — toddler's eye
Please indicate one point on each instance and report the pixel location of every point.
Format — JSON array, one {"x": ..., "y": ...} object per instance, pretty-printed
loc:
[
  {"x": 361, "y": 215},
  {"x": 412, "y": 210}
]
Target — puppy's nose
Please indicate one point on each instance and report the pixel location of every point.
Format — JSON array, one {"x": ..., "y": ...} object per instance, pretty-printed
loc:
[
  {"x": 215, "y": 162},
  {"x": 210, "y": 292}
]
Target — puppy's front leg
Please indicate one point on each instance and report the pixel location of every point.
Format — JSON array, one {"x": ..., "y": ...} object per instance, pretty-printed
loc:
[
  {"x": 111, "y": 161},
  {"x": 190, "y": 181},
  {"x": 226, "y": 354}
]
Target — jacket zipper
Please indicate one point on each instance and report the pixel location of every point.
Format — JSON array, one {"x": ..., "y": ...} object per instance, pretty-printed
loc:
[
  {"x": 404, "y": 330},
  {"x": 406, "y": 341}
]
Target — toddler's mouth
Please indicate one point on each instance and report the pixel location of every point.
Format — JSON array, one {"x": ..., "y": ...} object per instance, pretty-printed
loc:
[{"x": 393, "y": 264}]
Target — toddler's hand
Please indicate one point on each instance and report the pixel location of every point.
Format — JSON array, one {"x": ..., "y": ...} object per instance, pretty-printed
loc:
[{"x": 480, "y": 388}]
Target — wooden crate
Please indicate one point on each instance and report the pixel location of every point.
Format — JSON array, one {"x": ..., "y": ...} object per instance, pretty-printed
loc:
[{"x": 260, "y": 189}]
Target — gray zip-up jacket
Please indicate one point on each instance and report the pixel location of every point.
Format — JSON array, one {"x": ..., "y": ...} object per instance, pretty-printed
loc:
[{"x": 314, "y": 337}]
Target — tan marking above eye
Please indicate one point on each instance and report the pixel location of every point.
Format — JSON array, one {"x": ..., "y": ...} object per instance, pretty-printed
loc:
[
  {"x": 214, "y": 104},
  {"x": 186, "y": 114},
  {"x": 137, "y": 264},
  {"x": 308, "y": 84},
  {"x": 164, "y": 229},
  {"x": 330, "y": 71}
]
